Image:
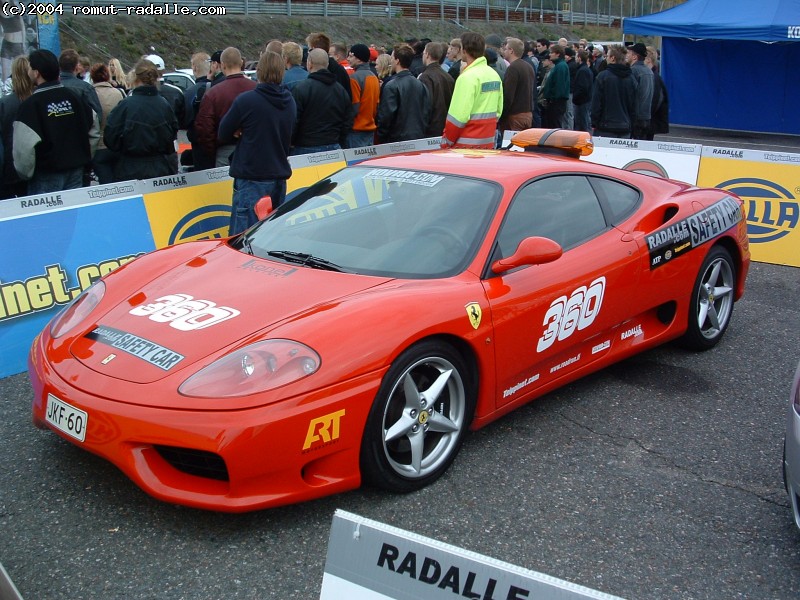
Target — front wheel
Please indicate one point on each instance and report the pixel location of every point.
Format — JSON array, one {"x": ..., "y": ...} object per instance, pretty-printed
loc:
[
  {"x": 712, "y": 301},
  {"x": 418, "y": 420}
]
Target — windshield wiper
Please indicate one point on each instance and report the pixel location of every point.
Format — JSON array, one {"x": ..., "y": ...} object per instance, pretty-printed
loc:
[{"x": 305, "y": 259}]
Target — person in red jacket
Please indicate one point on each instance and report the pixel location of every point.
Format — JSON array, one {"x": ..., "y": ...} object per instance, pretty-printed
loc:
[{"x": 215, "y": 104}]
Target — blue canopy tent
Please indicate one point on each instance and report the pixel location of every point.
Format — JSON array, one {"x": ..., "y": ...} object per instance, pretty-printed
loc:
[{"x": 729, "y": 64}]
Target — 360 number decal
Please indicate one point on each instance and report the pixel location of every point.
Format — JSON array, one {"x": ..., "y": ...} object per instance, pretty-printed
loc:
[
  {"x": 185, "y": 313},
  {"x": 568, "y": 315}
]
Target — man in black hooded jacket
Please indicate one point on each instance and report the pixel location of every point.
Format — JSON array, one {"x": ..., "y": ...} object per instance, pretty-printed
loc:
[
  {"x": 614, "y": 97},
  {"x": 324, "y": 110}
]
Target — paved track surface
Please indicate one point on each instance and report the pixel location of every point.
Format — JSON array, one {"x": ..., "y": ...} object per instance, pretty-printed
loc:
[{"x": 658, "y": 478}]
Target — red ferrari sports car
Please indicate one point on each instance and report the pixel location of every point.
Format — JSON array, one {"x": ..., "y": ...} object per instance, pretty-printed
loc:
[{"x": 367, "y": 323}]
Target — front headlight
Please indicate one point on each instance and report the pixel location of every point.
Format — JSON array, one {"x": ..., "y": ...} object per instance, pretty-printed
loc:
[
  {"x": 76, "y": 312},
  {"x": 255, "y": 368}
]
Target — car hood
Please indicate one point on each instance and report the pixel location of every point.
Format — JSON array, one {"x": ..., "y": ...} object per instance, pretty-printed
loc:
[{"x": 208, "y": 303}]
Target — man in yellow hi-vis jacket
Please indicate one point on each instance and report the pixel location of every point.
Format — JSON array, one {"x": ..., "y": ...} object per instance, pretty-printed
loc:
[{"x": 477, "y": 100}]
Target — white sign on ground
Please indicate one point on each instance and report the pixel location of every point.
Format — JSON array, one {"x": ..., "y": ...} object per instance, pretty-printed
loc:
[{"x": 368, "y": 560}]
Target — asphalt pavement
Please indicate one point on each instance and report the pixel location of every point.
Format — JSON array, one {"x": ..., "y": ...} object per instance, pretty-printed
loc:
[{"x": 658, "y": 478}]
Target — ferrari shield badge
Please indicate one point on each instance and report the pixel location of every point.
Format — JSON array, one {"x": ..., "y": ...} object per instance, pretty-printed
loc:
[{"x": 474, "y": 313}]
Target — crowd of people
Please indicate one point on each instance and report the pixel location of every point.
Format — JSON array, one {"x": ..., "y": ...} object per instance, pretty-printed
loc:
[{"x": 67, "y": 121}]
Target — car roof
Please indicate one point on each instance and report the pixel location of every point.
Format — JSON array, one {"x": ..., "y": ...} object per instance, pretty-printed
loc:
[{"x": 502, "y": 166}]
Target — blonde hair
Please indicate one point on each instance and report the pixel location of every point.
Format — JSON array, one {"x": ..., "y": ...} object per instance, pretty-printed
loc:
[
  {"x": 383, "y": 65},
  {"x": 118, "y": 74},
  {"x": 21, "y": 84},
  {"x": 200, "y": 62},
  {"x": 292, "y": 53}
]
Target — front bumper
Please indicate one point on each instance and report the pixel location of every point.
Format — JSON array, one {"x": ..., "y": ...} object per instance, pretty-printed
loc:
[{"x": 238, "y": 460}]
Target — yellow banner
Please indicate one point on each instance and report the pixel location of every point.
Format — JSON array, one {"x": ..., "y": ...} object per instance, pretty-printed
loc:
[
  {"x": 770, "y": 193},
  {"x": 199, "y": 212}
]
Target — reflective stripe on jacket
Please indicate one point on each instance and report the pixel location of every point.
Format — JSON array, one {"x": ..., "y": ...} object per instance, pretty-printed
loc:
[{"x": 476, "y": 105}]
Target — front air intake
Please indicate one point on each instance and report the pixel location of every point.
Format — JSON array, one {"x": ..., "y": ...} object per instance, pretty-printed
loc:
[{"x": 195, "y": 462}]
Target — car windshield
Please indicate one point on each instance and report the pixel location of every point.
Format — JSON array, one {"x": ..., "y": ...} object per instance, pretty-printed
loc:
[{"x": 379, "y": 221}]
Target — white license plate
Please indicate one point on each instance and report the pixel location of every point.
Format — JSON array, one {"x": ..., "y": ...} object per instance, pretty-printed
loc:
[{"x": 66, "y": 418}]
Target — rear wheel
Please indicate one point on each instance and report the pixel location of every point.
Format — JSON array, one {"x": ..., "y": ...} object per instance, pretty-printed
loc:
[
  {"x": 419, "y": 418},
  {"x": 712, "y": 301}
]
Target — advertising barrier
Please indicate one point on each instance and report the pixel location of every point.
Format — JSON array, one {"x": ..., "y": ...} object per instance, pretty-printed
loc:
[
  {"x": 769, "y": 184},
  {"x": 368, "y": 560},
  {"x": 51, "y": 256},
  {"x": 55, "y": 245},
  {"x": 662, "y": 159}
]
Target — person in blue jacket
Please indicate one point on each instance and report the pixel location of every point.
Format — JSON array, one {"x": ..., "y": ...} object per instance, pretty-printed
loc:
[{"x": 262, "y": 119}]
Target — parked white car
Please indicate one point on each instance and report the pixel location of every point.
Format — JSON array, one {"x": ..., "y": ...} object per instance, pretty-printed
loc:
[{"x": 791, "y": 449}]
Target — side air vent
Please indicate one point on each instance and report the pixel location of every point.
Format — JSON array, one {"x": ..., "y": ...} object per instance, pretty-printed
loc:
[{"x": 670, "y": 212}]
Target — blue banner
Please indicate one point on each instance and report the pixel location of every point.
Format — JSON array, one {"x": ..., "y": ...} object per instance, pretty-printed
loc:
[
  {"x": 55, "y": 256},
  {"x": 48, "y": 33}
]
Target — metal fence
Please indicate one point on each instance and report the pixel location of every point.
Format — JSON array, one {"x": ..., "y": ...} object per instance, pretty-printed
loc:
[{"x": 572, "y": 12}]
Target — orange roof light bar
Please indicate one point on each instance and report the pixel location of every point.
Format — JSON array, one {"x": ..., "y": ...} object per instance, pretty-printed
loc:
[{"x": 573, "y": 143}]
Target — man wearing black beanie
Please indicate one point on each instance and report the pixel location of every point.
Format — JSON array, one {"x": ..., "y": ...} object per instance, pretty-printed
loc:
[{"x": 366, "y": 91}]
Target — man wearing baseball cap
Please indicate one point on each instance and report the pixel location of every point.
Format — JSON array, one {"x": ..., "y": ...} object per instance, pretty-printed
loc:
[{"x": 644, "y": 89}]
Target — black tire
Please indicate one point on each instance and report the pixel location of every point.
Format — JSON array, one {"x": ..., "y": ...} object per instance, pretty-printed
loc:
[
  {"x": 407, "y": 444},
  {"x": 712, "y": 301}
]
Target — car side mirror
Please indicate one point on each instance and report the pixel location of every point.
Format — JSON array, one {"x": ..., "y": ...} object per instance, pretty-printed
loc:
[
  {"x": 263, "y": 208},
  {"x": 531, "y": 251}
]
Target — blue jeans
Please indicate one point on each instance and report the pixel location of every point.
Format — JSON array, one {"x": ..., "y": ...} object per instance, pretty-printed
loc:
[
  {"x": 44, "y": 182},
  {"x": 359, "y": 139},
  {"x": 583, "y": 117},
  {"x": 568, "y": 120},
  {"x": 298, "y": 150},
  {"x": 246, "y": 193}
]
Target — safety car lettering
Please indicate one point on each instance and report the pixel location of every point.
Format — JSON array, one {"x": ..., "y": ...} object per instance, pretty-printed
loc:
[
  {"x": 413, "y": 177},
  {"x": 156, "y": 354},
  {"x": 568, "y": 315},
  {"x": 323, "y": 429},
  {"x": 681, "y": 237},
  {"x": 185, "y": 313}
]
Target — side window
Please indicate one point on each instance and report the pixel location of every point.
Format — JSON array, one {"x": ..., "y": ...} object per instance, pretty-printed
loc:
[
  {"x": 619, "y": 199},
  {"x": 563, "y": 208}
]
